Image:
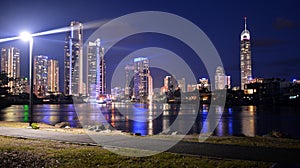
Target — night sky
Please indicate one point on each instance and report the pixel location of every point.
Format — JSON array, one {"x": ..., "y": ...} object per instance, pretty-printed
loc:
[{"x": 274, "y": 28}]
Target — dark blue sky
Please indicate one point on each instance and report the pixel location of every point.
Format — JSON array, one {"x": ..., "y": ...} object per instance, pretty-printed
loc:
[{"x": 274, "y": 27}]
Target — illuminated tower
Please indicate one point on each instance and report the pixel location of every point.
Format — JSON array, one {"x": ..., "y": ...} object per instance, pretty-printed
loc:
[
  {"x": 221, "y": 80},
  {"x": 181, "y": 85},
  {"x": 40, "y": 75},
  {"x": 141, "y": 79},
  {"x": 73, "y": 60},
  {"x": 53, "y": 75},
  {"x": 129, "y": 75},
  {"x": 246, "y": 67},
  {"x": 170, "y": 83},
  {"x": 96, "y": 69},
  {"x": 10, "y": 64}
]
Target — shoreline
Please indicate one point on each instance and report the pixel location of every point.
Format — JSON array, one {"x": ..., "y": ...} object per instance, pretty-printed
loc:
[{"x": 257, "y": 141}]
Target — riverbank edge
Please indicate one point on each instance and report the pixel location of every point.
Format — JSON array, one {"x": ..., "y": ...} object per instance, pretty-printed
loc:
[
  {"x": 31, "y": 152},
  {"x": 257, "y": 141}
]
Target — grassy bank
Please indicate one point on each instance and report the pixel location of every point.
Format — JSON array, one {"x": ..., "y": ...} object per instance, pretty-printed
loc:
[
  {"x": 258, "y": 141},
  {"x": 16, "y": 152}
]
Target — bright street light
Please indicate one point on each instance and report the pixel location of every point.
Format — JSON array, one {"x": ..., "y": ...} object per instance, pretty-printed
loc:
[{"x": 25, "y": 36}]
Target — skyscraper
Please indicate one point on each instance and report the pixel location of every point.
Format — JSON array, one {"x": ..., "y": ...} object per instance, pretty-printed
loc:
[
  {"x": 10, "y": 64},
  {"x": 170, "y": 83},
  {"x": 96, "y": 69},
  {"x": 141, "y": 79},
  {"x": 150, "y": 87},
  {"x": 129, "y": 79},
  {"x": 246, "y": 67},
  {"x": 73, "y": 60},
  {"x": 181, "y": 85},
  {"x": 221, "y": 80},
  {"x": 53, "y": 75},
  {"x": 40, "y": 75}
]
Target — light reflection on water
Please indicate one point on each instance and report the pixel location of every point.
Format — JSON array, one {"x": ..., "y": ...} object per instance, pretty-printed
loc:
[{"x": 149, "y": 120}]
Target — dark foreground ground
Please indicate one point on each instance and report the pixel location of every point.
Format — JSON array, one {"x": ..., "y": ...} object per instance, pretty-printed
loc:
[{"x": 19, "y": 152}]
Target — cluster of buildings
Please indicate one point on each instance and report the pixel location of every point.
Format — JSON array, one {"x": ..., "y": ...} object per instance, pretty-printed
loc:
[
  {"x": 80, "y": 79},
  {"x": 88, "y": 78},
  {"x": 138, "y": 80},
  {"x": 77, "y": 80}
]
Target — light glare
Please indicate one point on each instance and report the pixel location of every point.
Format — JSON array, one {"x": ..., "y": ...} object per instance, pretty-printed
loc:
[{"x": 25, "y": 36}]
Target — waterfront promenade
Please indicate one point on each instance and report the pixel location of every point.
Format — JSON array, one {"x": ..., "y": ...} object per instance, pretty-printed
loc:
[{"x": 116, "y": 140}]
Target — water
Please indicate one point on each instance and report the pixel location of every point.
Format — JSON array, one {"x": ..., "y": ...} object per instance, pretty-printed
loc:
[{"x": 149, "y": 120}]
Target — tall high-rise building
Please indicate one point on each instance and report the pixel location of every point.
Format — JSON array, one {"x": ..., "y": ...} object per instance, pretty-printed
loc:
[
  {"x": 73, "y": 60},
  {"x": 150, "y": 87},
  {"x": 204, "y": 84},
  {"x": 10, "y": 64},
  {"x": 182, "y": 85},
  {"x": 129, "y": 79},
  {"x": 169, "y": 83},
  {"x": 53, "y": 75},
  {"x": 246, "y": 67},
  {"x": 40, "y": 75},
  {"x": 96, "y": 69},
  {"x": 221, "y": 80},
  {"x": 141, "y": 79}
]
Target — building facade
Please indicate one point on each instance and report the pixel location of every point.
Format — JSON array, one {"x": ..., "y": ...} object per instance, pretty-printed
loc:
[
  {"x": 10, "y": 64},
  {"x": 40, "y": 75},
  {"x": 245, "y": 57},
  {"x": 204, "y": 84},
  {"x": 129, "y": 79},
  {"x": 221, "y": 80},
  {"x": 182, "y": 85},
  {"x": 53, "y": 75},
  {"x": 266, "y": 90},
  {"x": 96, "y": 82},
  {"x": 170, "y": 84},
  {"x": 141, "y": 79},
  {"x": 73, "y": 60}
]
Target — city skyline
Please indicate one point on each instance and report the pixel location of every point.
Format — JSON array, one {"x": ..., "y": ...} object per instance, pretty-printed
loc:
[
  {"x": 273, "y": 38},
  {"x": 45, "y": 76}
]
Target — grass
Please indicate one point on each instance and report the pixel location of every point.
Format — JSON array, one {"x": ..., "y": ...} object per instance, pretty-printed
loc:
[
  {"x": 42, "y": 126},
  {"x": 16, "y": 152},
  {"x": 257, "y": 141}
]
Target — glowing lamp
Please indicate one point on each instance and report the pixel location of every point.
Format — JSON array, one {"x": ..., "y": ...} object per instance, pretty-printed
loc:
[{"x": 25, "y": 36}]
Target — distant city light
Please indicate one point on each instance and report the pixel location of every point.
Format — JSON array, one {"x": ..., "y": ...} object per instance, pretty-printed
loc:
[{"x": 139, "y": 59}]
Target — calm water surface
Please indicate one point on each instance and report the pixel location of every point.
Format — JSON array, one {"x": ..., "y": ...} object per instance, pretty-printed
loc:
[{"x": 149, "y": 120}]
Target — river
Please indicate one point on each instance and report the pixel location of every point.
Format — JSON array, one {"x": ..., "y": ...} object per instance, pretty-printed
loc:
[{"x": 150, "y": 120}]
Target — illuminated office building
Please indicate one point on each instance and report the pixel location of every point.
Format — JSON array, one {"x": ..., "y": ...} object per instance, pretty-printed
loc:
[
  {"x": 141, "y": 79},
  {"x": 129, "y": 79},
  {"x": 221, "y": 80},
  {"x": 53, "y": 76},
  {"x": 204, "y": 84},
  {"x": 170, "y": 84},
  {"x": 40, "y": 75},
  {"x": 181, "y": 85},
  {"x": 96, "y": 69}
]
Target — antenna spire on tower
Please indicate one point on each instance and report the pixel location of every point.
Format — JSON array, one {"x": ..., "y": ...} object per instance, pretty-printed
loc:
[{"x": 245, "y": 18}]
